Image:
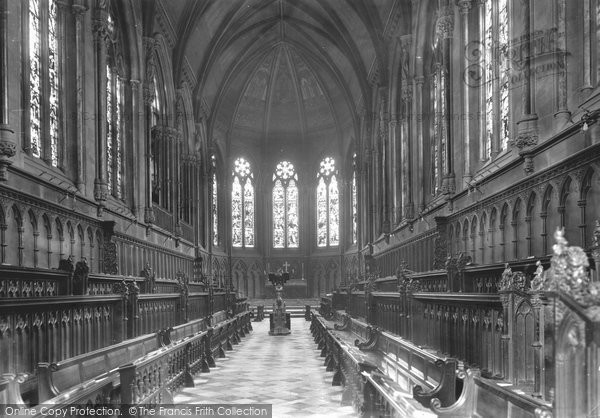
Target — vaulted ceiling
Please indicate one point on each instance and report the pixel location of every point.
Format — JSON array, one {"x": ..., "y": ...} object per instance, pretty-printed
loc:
[{"x": 285, "y": 70}]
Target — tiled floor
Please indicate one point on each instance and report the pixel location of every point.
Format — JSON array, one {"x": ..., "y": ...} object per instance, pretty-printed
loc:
[{"x": 285, "y": 371}]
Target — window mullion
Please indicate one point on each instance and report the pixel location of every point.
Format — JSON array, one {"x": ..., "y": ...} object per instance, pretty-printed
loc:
[{"x": 327, "y": 210}]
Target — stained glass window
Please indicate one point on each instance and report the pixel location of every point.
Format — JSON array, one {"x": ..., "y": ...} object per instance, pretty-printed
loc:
[
  {"x": 504, "y": 71},
  {"x": 285, "y": 206},
  {"x": 44, "y": 69},
  {"x": 497, "y": 72},
  {"x": 242, "y": 205},
  {"x": 215, "y": 203},
  {"x": 354, "y": 203},
  {"x": 328, "y": 205},
  {"x": 435, "y": 145},
  {"x": 114, "y": 119}
]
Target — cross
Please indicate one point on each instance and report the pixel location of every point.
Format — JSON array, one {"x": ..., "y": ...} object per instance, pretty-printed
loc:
[{"x": 286, "y": 265}]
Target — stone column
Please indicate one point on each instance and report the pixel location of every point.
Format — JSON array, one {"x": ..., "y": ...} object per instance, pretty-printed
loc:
[
  {"x": 384, "y": 141},
  {"x": 418, "y": 122},
  {"x": 8, "y": 146},
  {"x": 395, "y": 172},
  {"x": 445, "y": 29},
  {"x": 148, "y": 97},
  {"x": 406, "y": 114},
  {"x": 587, "y": 46},
  {"x": 562, "y": 115},
  {"x": 464, "y": 7},
  {"x": 137, "y": 169},
  {"x": 79, "y": 11},
  {"x": 527, "y": 132},
  {"x": 101, "y": 37}
]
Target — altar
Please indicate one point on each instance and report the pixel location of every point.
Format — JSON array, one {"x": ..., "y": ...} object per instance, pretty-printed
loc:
[{"x": 295, "y": 288}]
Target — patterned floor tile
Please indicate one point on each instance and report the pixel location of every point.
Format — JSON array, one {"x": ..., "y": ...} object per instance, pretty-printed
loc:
[{"x": 286, "y": 372}]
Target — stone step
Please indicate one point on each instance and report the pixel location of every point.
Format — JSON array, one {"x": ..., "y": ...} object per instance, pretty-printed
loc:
[{"x": 294, "y": 311}]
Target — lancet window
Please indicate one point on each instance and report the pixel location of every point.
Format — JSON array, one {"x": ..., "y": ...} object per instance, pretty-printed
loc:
[
  {"x": 115, "y": 105},
  {"x": 285, "y": 206},
  {"x": 242, "y": 205},
  {"x": 354, "y": 202},
  {"x": 495, "y": 35},
  {"x": 44, "y": 73},
  {"x": 215, "y": 202},
  {"x": 328, "y": 204}
]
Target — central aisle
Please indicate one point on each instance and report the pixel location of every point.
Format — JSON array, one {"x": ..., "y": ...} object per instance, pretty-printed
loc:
[{"x": 285, "y": 371}]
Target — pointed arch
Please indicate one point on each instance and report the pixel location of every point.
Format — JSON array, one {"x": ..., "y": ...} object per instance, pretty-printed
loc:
[
  {"x": 483, "y": 239},
  {"x": 473, "y": 238},
  {"x": 31, "y": 234},
  {"x": 516, "y": 223},
  {"x": 590, "y": 198},
  {"x": 503, "y": 233}
]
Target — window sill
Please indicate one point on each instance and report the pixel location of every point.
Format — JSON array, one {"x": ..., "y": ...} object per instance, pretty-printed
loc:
[
  {"x": 492, "y": 165},
  {"x": 52, "y": 175}
]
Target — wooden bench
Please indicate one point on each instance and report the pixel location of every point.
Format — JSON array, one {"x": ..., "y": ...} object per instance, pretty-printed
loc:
[
  {"x": 96, "y": 372},
  {"x": 91, "y": 377},
  {"x": 152, "y": 379},
  {"x": 370, "y": 375}
]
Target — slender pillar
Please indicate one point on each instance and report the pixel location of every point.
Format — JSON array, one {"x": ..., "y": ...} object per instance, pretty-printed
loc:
[
  {"x": 79, "y": 12},
  {"x": 464, "y": 7},
  {"x": 148, "y": 98},
  {"x": 384, "y": 141},
  {"x": 445, "y": 29},
  {"x": 562, "y": 115},
  {"x": 137, "y": 168},
  {"x": 406, "y": 114},
  {"x": 8, "y": 146},
  {"x": 418, "y": 122},
  {"x": 587, "y": 46},
  {"x": 101, "y": 37}
]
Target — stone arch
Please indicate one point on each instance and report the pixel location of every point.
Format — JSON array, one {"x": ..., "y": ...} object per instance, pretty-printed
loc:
[
  {"x": 547, "y": 215},
  {"x": 534, "y": 226},
  {"x": 493, "y": 234},
  {"x": 15, "y": 235},
  {"x": 590, "y": 200},
  {"x": 473, "y": 238},
  {"x": 47, "y": 238},
  {"x": 451, "y": 243},
  {"x": 458, "y": 241},
  {"x": 568, "y": 210},
  {"x": 517, "y": 249},
  {"x": 31, "y": 239},
  {"x": 465, "y": 237},
  {"x": 72, "y": 240},
  {"x": 483, "y": 239},
  {"x": 503, "y": 233},
  {"x": 80, "y": 250},
  {"x": 100, "y": 251},
  {"x": 239, "y": 276}
]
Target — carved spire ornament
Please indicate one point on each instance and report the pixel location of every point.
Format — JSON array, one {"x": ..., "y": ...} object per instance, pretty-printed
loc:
[{"x": 568, "y": 273}]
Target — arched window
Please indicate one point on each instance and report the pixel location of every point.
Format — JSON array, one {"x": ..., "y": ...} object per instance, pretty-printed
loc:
[
  {"x": 155, "y": 167},
  {"x": 44, "y": 71},
  {"x": 495, "y": 33},
  {"x": 115, "y": 104},
  {"x": 354, "y": 202},
  {"x": 285, "y": 206},
  {"x": 215, "y": 202},
  {"x": 328, "y": 204},
  {"x": 439, "y": 129},
  {"x": 242, "y": 205}
]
